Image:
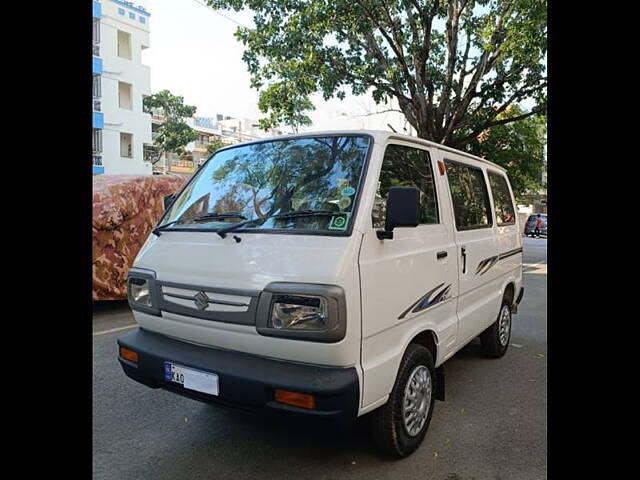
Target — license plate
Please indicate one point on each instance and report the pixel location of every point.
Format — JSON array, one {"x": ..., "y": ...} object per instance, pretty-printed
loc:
[{"x": 205, "y": 382}]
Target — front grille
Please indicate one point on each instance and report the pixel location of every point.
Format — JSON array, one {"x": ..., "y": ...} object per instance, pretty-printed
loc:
[{"x": 209, "y": 303}]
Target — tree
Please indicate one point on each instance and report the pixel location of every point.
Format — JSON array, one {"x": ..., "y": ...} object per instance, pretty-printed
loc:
[
  {"x": 214, "y": 146},
  {"x": 174, "y": 133},
  {"x": 452, "y": 66},
  {"x": 286, "y": 105},
  {"x": 518, "y": 147}
]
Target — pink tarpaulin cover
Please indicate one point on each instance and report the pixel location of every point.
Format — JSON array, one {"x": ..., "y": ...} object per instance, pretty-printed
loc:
[{"x": 125, "y": 209}]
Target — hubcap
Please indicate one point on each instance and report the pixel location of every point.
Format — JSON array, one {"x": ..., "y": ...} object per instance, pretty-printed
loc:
[
  {"x": 417, "y": 400},
  {"x": 504, "y": 326}
]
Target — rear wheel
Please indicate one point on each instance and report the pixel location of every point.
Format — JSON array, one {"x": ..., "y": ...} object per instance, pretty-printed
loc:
[
  {"x": 400, "y": 425},
  {"x": 495, "y": 339}
]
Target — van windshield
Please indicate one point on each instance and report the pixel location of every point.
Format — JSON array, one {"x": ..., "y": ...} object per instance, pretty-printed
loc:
[{"x": 269, "y": 178}]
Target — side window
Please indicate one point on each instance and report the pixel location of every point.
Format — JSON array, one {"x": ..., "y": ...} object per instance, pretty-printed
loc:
[
  {"x": 406, "y": 167},
  {"x": 469, "y": 195},
  {"x": 505, "y": 213}
]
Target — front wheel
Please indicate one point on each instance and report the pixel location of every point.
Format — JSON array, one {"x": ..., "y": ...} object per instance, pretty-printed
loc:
[
  {"x": 399, "y": 426},
  {"x": 495, "y": 339}
]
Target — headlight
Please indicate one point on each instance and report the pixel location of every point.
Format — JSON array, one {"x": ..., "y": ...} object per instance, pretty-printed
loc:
[
  {"x": 303, "y": 311},
  {"x": 141, "y": 286},
  {"x": 296, "y": 312},
  {"x": 139, "y": 291}
]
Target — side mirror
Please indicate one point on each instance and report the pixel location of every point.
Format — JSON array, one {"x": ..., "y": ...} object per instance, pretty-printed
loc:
[
  {"x": 168, "y": 200},
  {"x": 403, "y": 210}
]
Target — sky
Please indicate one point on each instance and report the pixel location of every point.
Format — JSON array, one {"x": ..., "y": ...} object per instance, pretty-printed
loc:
[{"x": 194, "y": 53}]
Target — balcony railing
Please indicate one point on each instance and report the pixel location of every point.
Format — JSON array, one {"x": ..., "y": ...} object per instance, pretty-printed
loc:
[
  {"x": 97, "y": 160},
  {"x": 96, "y": 50},
  {"x": 97, "y": 105},
  {"x": 183, "y": 163},
  {"x": 149, "y": 153}
]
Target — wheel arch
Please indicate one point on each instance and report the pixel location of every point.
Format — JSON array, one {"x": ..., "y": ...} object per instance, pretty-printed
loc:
[
  {"x": 428, "y": 339},
  {"x": 382, "y": 357}
]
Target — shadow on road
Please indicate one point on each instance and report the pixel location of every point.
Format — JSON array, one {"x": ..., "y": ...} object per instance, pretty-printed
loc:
[{"x": 109, "y": 306}]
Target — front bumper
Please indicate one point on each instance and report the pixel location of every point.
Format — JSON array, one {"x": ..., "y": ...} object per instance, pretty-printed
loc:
[{"x": 246, "y": 382}]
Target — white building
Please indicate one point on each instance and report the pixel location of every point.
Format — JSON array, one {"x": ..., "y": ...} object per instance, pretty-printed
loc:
[
  {"x": 221, "y": 128},
  {"x": 121, "y": 128}
]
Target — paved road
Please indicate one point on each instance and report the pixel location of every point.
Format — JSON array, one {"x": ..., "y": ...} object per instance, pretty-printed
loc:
[{"x": 492, "y": 425}]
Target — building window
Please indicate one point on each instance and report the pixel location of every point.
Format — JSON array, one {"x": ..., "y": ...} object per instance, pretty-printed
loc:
[
  {"x": 125, "y": 97},
  {"x": 143, "y": 20},
  {"x": 124, "y": 45},
  {"x": 97, "y": 86},
  {"x": 132, "y": 16},
  {"x": 97, "y": 140},
  {"x": 121, "y": 11},
  {"x": 96, "y": 31},
  {"x": 97, "y": 93},
  {"x": 126, "y": 145}
]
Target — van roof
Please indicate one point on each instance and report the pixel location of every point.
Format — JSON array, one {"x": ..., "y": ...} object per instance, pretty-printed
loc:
[{"x": 380, "y": 136}]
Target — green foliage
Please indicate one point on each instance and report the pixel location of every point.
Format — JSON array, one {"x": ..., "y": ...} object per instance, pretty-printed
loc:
[
  {"x": 174, "y": 133},
  {"x": 285, "y": 105},
  {"x": 518, "y": 147},
  {"x": 452, "y": 66},
  {"x": 215, "y": 146}
]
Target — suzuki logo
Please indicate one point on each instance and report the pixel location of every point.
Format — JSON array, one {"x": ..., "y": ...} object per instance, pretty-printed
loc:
[{"x": 201, "y": 300}]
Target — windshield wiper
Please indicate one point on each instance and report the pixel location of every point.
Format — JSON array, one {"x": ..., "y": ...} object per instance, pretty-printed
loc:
[
  {"x": 202, "y": 216},
  {"x": 300, "y": 213}
]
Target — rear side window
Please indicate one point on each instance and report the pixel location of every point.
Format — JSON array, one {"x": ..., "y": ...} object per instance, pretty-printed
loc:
[
  {"x": 406, "y": 167},
  {"x": 505, "y": 213},
  {"x": 469, "y": 196}
]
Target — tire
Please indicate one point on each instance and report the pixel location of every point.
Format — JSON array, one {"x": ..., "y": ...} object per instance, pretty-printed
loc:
[
  {"x": 495, "y": 345},
  {"x": 389, "y": 430}
]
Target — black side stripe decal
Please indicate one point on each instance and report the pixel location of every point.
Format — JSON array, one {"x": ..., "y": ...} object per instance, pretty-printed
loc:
[
  {"x": 426, "y": 301},
  {"x": 487, "y": 263},
  {"x": 510, "y": 253}
]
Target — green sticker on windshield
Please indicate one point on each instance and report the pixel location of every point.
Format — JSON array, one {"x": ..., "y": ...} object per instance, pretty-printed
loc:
[{"x": 339, "y": 222}]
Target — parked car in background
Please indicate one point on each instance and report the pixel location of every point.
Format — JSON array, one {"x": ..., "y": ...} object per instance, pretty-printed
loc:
[{"x": 530, "y": 225}]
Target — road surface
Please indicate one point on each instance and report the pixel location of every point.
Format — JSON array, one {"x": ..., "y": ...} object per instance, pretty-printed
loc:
[{"x": 493, "y": 424}]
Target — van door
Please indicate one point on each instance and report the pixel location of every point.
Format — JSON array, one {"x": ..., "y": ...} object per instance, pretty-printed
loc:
[
  {"x": 409, "y": 283},
  {"x": 479, "y": 298}
]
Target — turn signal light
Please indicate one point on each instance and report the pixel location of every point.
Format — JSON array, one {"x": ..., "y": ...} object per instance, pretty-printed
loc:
[
  {"x": 296, "y": 399},
  {"x": 129, "y": 355}
]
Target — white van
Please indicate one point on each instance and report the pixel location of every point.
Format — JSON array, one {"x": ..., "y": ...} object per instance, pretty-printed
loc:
[{"x": 327, "y": 275}]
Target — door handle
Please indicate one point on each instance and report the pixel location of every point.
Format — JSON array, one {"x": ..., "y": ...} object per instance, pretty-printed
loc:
[
  {"x": 463, "y": 250},
  {"x": 441, "y": 255}
]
